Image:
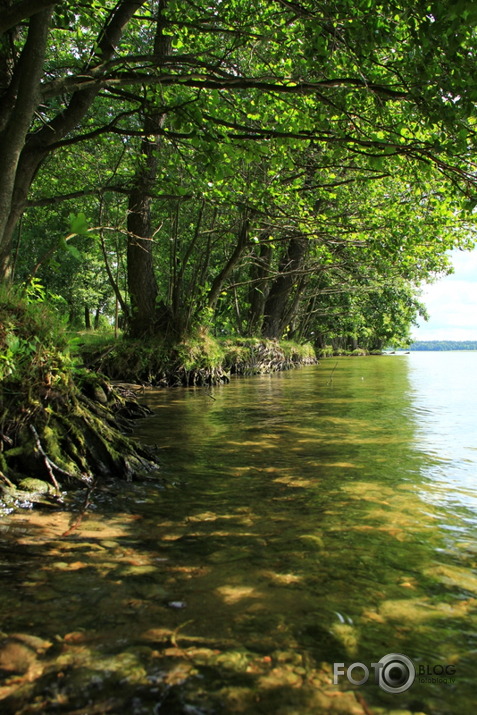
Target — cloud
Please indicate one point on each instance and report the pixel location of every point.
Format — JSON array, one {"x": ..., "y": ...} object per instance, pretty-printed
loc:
[
  {"x": 452, "y": 303},
  {"x": 465, "y": 266}
]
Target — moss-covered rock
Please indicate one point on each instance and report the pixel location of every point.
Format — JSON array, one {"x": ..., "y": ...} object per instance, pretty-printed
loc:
[{"x": 37, "y": 486}]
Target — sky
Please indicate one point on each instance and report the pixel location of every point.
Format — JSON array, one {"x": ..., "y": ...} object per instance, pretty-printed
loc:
[{"x": 452, "y": 302}]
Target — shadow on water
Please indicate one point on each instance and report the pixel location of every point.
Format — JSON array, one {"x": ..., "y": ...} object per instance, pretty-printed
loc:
[
  {"x": 295, "y": 535},
  {"x": 104, "y": 629}
]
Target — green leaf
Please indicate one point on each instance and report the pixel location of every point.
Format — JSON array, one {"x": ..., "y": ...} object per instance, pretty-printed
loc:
[{"x": 78, "y": 223}]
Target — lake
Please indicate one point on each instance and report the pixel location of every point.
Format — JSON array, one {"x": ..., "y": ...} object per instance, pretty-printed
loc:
[{"x": 308, "y": 521}]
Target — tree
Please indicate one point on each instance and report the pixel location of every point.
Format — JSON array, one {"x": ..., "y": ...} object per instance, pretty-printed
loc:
[
  {"x": 146, "y": 319},
  {"x": 25, "y": 142},
  {"x": 335, "y": 82}
]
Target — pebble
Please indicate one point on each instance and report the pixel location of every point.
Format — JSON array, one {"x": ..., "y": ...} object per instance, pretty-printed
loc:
[{"x": 16, "y": 657}]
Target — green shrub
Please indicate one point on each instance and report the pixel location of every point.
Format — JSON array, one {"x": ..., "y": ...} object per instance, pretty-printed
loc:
[{"x": 33, "y": 341}]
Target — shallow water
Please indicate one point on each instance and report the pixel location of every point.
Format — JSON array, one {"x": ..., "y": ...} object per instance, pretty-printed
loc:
[{"x": 325, "y": 515}]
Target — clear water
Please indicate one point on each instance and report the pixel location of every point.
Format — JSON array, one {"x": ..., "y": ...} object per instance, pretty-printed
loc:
[{"x": 320, "y": 516}]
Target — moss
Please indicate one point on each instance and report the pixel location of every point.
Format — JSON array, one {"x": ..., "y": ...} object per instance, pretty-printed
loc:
[
  {"x": 52, "y": 437},
  {"x": 59, "y": 421},
  {"x": 36, "y": 485},
  {"x": 3, "y": 463},
  {"x": 14, "y": 452}
]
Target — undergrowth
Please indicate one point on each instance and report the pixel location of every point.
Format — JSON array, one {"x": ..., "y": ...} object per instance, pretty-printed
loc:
[{"x": 33, "y": 344}]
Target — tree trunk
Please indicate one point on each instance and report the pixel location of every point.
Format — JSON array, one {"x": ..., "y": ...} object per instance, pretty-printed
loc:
[
  {"x": 276, "y": 313},
  {"x": 221, "y": 277},
  {"x": 97, "y": 314},
  {"x": 141, "y": 278},
  {"x": 19, "y": 103},
  {"x": 181, "y": 299},
  {"x": 146, "y": 316},
  {"x": 260, "y": 288},
  {"x": 87, "y": 318}
]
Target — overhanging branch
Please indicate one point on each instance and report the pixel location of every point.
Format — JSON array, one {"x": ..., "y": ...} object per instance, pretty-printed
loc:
[
  {"x": 13, "y": 15},
  {"x": 203, "y": 81}
]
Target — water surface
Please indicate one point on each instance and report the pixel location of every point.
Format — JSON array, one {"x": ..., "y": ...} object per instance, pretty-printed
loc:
[{"x": 319, "y": 516}]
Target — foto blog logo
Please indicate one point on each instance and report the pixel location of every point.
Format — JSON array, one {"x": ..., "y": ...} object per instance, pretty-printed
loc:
[{"x": 394, "y": 673}]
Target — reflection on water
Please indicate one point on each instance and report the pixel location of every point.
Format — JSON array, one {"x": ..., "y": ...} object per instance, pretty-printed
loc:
[{"x": 317, "y": 516}]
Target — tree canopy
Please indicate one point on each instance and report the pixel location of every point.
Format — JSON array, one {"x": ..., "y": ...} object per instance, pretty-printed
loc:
[{"x": 291, "y": 168}]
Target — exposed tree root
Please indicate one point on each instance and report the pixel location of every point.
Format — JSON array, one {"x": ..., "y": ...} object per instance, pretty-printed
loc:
[
  {"x": 61, "y": 426},
  {"x": 69, "y": 442},
  {"x": 182, "y": 366}
]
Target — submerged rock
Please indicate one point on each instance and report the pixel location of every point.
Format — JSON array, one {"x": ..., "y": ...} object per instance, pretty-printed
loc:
[
  {"x": 16, "y": 657},
  {"x": 19, "y": 652},
  {"x": 36, "y": 485}
]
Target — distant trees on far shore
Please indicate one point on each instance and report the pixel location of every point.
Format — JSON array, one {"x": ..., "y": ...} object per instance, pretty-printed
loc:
[{"x": 444, "y": 345}]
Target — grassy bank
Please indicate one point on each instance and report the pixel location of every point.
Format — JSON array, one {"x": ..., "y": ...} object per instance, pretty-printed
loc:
[
  {"x": 330, "y": 351},
  {"x": 199, "y": 360}
]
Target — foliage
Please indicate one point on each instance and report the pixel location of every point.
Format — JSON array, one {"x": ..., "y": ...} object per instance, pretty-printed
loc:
[
  {"x": 299, "y": 171},
  {"x": 32, "y": 338}
]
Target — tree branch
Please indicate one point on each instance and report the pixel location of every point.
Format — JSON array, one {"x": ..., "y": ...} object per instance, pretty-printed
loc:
[
  {"x": 112, "y": 129},
  {"x": 22, "y": 11},
  {"x": 84, "y": 95},
  {"x": 50, "y": 200},
  {"x": 226, "y": 82}
]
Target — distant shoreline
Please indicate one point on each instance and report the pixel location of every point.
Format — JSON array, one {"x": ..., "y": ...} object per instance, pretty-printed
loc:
[{"x": 436, "y": 345}]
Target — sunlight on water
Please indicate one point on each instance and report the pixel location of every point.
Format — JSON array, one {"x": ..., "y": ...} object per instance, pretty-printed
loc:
[
  {"x": 316, "y": 516},
  {"x": 445, "y": 404}
]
